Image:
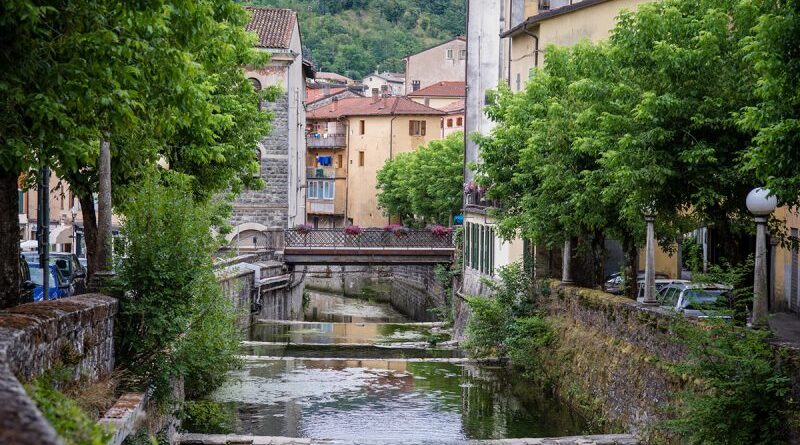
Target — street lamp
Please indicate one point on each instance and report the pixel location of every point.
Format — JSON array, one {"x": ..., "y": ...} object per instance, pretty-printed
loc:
[
  {"x": 566, "y": 266},
  {"x": 650, "y": 257},
  {"x": 760, "y": 204}
]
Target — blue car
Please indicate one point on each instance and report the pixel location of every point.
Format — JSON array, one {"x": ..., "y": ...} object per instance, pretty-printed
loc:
[{"x": 59, "y": 287}]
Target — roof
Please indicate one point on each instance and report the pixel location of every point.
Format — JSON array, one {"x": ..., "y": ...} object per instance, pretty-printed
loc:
[
  {"x": 367, "y": 106},
  {"x": 333, "y": 76},
  {"x": 389, "y": 77},
  {"x": 462, "y": 38},
  {"x": 315, "y": 94},
  {"x": 454, "y": 107},
  {"x": 444, "y": 88},
  {"x": 274, "y": 27},
  {"x": 542, "y": 16}
]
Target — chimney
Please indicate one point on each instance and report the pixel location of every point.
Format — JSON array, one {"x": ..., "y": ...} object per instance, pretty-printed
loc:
[{"x": 334, "y": 104}]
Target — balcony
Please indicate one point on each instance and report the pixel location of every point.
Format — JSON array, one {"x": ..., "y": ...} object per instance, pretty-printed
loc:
[
  {"x": 317, "y": 140},
  {"x": 320, "y": 172},
  {"x": 322, "y": 207}
]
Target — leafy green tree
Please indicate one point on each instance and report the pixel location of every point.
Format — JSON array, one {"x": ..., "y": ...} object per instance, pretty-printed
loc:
[
  {"x": 424, "y": 186},
  {"x": 775, "y": 116}
]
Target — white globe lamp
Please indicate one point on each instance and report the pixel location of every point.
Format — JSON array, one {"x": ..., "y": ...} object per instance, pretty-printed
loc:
[{"x": 760, "y": 203}]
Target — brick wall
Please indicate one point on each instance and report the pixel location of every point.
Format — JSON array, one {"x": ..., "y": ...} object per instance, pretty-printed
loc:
[{"x": 76, "y": 331}]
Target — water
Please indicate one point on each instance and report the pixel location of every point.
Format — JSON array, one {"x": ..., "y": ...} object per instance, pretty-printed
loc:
[{"x": 362, "y": 374}]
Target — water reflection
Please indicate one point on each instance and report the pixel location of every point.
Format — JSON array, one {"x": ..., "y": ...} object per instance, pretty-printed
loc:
[
  {"x": 339, "y": 333},
  {"x": 378, "y": 399},
  {"x": 335, "y": 308}
]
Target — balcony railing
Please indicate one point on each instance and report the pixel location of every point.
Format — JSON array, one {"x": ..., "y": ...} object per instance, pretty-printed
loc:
[
  {"x": 369, "y": 238},
  {"x": 316, "y": 140},
  {"x": 320, "y": 172},
  {"x": 322, "y": 207}
]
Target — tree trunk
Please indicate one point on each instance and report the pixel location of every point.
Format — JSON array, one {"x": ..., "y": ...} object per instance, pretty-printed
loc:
[
  {"x": 103, "y": 241},
  {"x": 89, "y": 233},
  {"x": 631, "y": 266},
  {"x": 9, "y": 240},
  {"x": 598, "y": 259}
]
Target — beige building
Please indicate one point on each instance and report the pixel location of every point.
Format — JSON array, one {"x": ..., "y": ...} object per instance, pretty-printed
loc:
[
  {"x": 384, "y": 84},
  {"x": 440, "y": 94},
  {"x": 453, "y": 120},
  {"x": 445, "y": 61},
  {"x": 349, "y": 141}
]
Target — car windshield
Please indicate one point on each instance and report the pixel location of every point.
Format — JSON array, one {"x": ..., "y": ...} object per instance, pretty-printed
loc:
[
  {"x": 706, "y": 299},
  {"x": 37, "y": 278},
  {"x": 61, "y": 261}
]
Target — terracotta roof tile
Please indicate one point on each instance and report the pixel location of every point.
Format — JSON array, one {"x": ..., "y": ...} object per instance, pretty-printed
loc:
[
  {"x": 273, "y": 26},
  {"x": 367, "y": 106},
  {"x": 456, "y": 107},
  {"x": 442, "y": 89},
  {"x": 315, "y": 94},
  {"x": 333, "y": 76}
]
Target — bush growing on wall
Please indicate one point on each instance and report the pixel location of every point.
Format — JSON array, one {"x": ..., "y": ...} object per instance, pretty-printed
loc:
[{"x": 174, "y": 320}]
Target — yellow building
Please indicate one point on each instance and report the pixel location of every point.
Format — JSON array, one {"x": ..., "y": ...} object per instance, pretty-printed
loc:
[
  {"x": 440, "y": 95},
  {"x": 785, "y": 266},
  {"x": 348, "y": 142}
]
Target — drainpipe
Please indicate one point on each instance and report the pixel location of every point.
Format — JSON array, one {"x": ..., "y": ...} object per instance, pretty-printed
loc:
[
  {"x": 391, "y": 152},
  {"x": 347, "y": 169},
  {"x": 536, "y": 47},
  {"x": 510, "y": 41}
]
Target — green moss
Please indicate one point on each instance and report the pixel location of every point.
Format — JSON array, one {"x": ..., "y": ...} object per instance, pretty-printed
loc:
[{"x": 65, "y": 415}]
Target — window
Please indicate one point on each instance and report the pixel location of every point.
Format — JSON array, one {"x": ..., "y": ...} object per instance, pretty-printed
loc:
[
  {"x": 362, "y": 124},
  {"x": 374, "y": 91},
  {"x": 449, "y": 54},
  {"x": 449, "y": 123},
  {"x": 462, "y": 55},
  {"x": 416, "y": 128},
  {"x": 20, "y": 206},
  {"x": 384, "y": 88},
  {"x": 360, "y": 158},
  {"x": 339, "y": 161},
  {"x": 320, "y": 189},
  {"x": 519, "y": 81},
  {"x": 479, "y": 248},
  {"x": 459, "y": 121},
  {"x": 414, "y": 85}
]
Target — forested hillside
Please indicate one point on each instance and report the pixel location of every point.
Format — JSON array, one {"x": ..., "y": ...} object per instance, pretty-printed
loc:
[{"x": 356, "y": 37}]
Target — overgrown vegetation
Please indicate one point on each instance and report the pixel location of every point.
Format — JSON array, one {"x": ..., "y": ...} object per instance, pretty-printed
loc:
[
  {"x": 64, "y": 413},
  {"x": 386, "y": 31},
  {"x": 739, "y": 396},
  {"x": 174, "y": 320},
  {"x": 208, "y": 417},
  {"x": 424, "y": 186}
]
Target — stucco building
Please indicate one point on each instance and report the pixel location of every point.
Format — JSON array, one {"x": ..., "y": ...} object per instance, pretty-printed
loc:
[
  {"x": 445, "y": 61},
  {"x": 440, "y": 94},
  {"x": 354, "y": 138},
  {"x": 282, "y": 153},
  {"x": 385, "y": 84}
]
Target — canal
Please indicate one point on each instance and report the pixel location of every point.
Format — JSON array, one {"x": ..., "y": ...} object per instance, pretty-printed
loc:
[{"x": 358, "y": 370}]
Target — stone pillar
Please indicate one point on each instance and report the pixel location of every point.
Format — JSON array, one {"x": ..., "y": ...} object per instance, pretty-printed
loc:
[
  {"x": 760, "y": 275},
  {"x": 566, "y": 263},
  {"x": 650, "y": 263}
]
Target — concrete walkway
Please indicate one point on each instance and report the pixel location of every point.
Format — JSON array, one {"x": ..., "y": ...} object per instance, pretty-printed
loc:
[
  {"x": 786, "y": 328},
  {"x": 233, "y": 439}
]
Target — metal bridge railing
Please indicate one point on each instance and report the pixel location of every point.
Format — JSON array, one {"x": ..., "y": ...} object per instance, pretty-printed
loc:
[{"x": 369, "y": 238}]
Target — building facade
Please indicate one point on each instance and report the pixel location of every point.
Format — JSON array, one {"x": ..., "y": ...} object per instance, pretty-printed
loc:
[
  {"x": 445, "y": 61},
  {"x": 384, "y": 84},
  {"x": 440, "y": 94},
  {"x": 281, "y": 154},
  {"x": 356, "y": 136}
]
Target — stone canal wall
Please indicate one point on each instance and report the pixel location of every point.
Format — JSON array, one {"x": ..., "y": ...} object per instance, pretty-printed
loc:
[
  {"x": 76, "y": 331},
  {"x": 411, "y": 289}
]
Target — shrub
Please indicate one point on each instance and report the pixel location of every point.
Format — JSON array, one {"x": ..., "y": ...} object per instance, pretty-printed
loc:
[
  {"x": 526, "y": 339},
  {"x": 71, "y": 423},
  {"x": 207, "y": 417},
  {"x": 174, "y": 320},
  {"x": 353, "y": 230},
  {"x": 487, "y": 327},
  {"x": 740, "y": 396}
]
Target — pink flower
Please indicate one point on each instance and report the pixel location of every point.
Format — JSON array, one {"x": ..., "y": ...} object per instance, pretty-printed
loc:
[
  {"x": 304, "y": 228},
  {"x": 440, "y": 231},
  {"x": 353, "y": 230}
]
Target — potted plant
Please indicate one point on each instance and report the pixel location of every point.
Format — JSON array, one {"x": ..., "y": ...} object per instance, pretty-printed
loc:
[
  {"x": 400, "y": 230},
  {"x": 353, "y": 230},
  {"x": 304, "y": 229},
  {"x": 440, "y": 231}
]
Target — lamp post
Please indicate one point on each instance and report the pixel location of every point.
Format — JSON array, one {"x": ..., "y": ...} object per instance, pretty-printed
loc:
[
  {"x": 650, "y": 258},
  {"x": 760, "y": 204},
  {"x": 566, "y": 259}
]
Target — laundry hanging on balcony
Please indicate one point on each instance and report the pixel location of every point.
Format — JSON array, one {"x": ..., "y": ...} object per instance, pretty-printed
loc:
[{"x": 325, "y": 160}]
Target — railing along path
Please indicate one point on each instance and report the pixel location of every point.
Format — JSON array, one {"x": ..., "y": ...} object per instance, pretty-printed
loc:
[{"x": 368, "y": 238}]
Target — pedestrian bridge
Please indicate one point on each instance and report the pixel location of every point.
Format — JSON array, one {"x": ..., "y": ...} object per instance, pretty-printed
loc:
[{"x": 370, "y": 246}]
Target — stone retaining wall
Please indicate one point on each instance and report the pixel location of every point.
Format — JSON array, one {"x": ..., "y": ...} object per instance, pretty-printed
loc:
[{"x": 76, "y": 331}]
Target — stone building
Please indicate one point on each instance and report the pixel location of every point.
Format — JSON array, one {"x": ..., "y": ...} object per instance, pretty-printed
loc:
[
  {"x": 281, "y": 154},
  {"x": 445, "y": 61}
]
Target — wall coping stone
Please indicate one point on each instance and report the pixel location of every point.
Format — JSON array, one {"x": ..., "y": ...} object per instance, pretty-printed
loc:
[{"x": 22, "y": 328}]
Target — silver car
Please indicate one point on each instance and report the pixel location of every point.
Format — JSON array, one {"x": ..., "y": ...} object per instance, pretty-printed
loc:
[{"x": 698, "y": 300}]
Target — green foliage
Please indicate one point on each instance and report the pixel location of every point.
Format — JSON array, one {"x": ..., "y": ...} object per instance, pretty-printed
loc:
[
  {"x": 386, "y": 31},
  {"x": 173, "y": 320},
  {"x": 487, "y": 327},
  {"x": 526, "y": 340},
  {"x": 739, "y": 277},
  {"x": 740, "y": 395},
  {"x": 207, "y": 417},
  {"x": 424, "y": 186},
  {"x": 65, "y": 415}
]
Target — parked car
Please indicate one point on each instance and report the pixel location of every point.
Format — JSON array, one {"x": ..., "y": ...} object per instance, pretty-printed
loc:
[
  {"x": 698, "y": 300},
  {"x": 58, "y": 286},
  {"x": 661, "y": 283},
  {"x": 614, "y": 282},
  {"x": 26, "y": 286},
  {"x": 69, "y": 265}
]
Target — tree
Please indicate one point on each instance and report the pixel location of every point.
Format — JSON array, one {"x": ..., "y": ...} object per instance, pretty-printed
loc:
[
  {"x": 424, "y": 186},
  {"x": 775, "y": 115}
]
